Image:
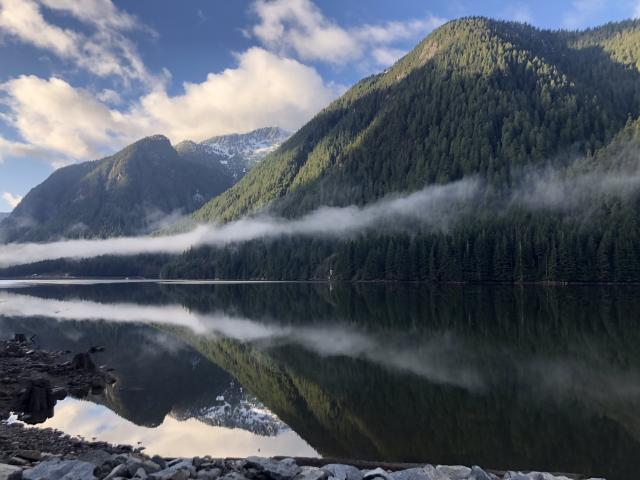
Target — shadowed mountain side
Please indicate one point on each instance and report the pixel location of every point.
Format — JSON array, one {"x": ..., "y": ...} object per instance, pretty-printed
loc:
[{"x": 135, "y": 191}]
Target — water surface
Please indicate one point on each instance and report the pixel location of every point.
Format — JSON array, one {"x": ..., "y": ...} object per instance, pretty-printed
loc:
[{"x": 505, "y": 377}]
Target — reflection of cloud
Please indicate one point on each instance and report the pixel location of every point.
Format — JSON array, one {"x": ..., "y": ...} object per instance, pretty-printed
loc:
[
  {"x": 433, "y": 360},
  {"x": 172, "y": 437}
]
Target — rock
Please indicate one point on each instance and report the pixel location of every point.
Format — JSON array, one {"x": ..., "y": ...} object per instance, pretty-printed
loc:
[
  {"x": 311, "y": 473},
  {"x": 454, "y": 472},
  {"x": 97, "y": 457},
  {"x": 31, "y": 455},
  {"x": 117, "y": 471},
  {"x": 61, "y": 470},
  {"x": 479, "y": 474},
  {"x": 176, "y": 470},
  {"x": 20, "y": 462},
  {"x": 209, "y": 474},
  {"x": 158, "y": 460},
  {"x": 83, "y": 361},
  {"x": 434, "y": 474},
  {"x": 376, "y": 473},
  {"x": 410, "y": 474},
  {"x": 10, "y": 472},
  {"x": 20, "y": 338},
  {"x": 274, "y": 469},
  {"x": 140, "y": 473},
  {"x": 37, "y": 401},
  {"x": 343, "y": 472}
]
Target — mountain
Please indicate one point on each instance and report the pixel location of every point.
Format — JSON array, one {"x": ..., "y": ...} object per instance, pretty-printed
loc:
[
  {"x": 534, "y": 116},
  {"x": 131, "y": 192},
  {"x": 238, "y": 152},
  {"x": 477, "y": 96},
  {"x": 3, "y": 215}
]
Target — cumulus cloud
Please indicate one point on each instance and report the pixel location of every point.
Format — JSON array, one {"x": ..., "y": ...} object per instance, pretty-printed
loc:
[
  {"x": 105, "y": 51},
  {"x": 12, "y": 200},
  {"x": 299, "y": 27},
  {"x": 263, "y": 89}
]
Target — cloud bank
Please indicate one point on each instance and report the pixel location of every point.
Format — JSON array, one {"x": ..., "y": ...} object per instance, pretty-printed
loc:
[
  {"x": 12, "y": 200},
  {"x": 433, "y": 207}
]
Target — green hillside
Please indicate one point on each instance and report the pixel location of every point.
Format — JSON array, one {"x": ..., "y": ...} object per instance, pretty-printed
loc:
[
  {"x": 477, "y": 96},
  {"x": 128, "y": 193}
]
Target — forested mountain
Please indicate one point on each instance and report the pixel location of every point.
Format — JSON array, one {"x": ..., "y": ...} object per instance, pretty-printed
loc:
[
  {"x": 545, "y": 120},
  {"x": 477, "y": 96},
  {"x": 131, "y": 192}
]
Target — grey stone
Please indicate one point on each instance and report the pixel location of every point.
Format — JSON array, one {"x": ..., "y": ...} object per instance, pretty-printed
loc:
[
  {"x": 434, "y": 474},
  {"x": 97, "y": 457},
  {"x": 141, "y": 473},
  {"x": 343, "y": 472},
  {"x": 455, "y": 472},
  {"x": 233, "y": 476},
  {"x": 61, "y": 470},
  {"x": 410, "y": 474},
  {"x": 117, "y": 471},
  {"x": 32, "y": 455},
  {"x": 376, "y": 473},
  {"x": 10, "y": 472},
  {"x": 274, "y": 469},
  {"x": 311, "y": 473},
  {"x": 479, "y": 474},
  {"x": 209, "y": 474},
  {"x": 175, "y": 471}
]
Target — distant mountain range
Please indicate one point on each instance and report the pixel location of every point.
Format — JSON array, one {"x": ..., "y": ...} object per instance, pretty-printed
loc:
[
  {"x": 238, "y": 152},
  {"x": 145, "y": 187}
]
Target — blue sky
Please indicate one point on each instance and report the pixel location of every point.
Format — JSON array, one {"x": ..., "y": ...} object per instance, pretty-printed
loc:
[{"x": 82, "y": 78}]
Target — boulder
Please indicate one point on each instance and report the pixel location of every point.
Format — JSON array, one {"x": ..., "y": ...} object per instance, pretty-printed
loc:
[
  {"x": 377, "y": 473},
  {"x": 61, "y": 470},
  {"x": 454, "y": 472},
  {"x": 479, "y": 474},
  {"x": 10, "y": 472},
  {"x": 410, "y": 474},
  {"x": 311, "y": 473},
  {"x": 343, "y": 472},
  {"x": 274, "y": 469}
]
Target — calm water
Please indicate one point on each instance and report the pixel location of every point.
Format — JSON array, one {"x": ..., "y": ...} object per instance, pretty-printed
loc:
[{"x": 507, "y": 378}]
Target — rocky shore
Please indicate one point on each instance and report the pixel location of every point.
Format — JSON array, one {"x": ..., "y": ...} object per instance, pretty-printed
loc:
[{"x": 33, "y": 380}]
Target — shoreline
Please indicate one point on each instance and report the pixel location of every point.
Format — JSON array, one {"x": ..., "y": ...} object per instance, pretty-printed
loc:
[{"x": 34, "y": 380}]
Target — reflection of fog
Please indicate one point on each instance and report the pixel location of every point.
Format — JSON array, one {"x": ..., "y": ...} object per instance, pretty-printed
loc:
[
  {"x": 433, "y": 360},
  {"x": 172, "y": 437}
]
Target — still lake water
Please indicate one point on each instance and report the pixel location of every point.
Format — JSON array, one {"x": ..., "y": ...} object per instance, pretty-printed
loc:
[{"x": 504, "y": 377}]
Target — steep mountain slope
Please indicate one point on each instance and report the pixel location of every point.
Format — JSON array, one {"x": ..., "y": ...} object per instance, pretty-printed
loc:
[
  {"x": 3, "y": 215},
  {"x": 545, "y": 122},
  {"x": 131, "y": 192},
  {"x": 475, "y": 97},
  {"x": 239, "y": 152}
]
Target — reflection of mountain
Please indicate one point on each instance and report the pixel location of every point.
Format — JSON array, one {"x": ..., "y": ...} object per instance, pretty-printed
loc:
[
  {"x": 157, "y": 374},
  {"x": 506, "y": 378},
  {"x": 236, "y": 408}
]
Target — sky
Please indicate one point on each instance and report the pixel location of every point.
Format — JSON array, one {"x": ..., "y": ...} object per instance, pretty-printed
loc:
[{"x": 80, "y": 79}]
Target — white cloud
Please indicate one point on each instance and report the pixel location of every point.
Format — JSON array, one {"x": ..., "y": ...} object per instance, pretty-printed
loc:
[
  {"x": 582, "y": 11},
  {"x": 105, "y": 52},
  {"x": 263, "y": 89},
  {"x": 299, "y": 27},
  {"x": 12, "y": 200}
]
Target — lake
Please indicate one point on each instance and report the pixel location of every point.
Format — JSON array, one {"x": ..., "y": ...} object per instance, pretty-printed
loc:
[{"x": 534, "y": 378}]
